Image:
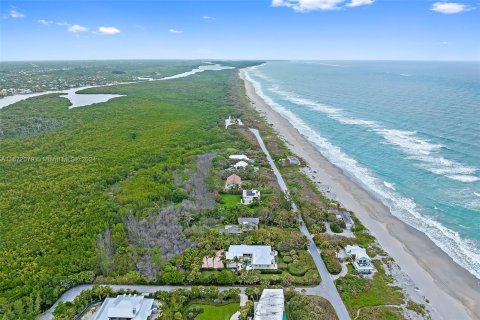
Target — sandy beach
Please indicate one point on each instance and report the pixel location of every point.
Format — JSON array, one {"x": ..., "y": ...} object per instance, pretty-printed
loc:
[{"x": 452, "y": 292}]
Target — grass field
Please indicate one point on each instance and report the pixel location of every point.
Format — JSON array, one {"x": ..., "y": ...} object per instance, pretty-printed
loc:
[
  {"x": 359, "y": 293},
  {"x": 230, "y": 200},
  {"x": 213, "y": 312}
]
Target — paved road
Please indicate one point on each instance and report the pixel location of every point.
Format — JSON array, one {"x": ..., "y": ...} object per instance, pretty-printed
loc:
[
  {"x": 326, "y": 288},
  {"x": 72, "y": 293}
]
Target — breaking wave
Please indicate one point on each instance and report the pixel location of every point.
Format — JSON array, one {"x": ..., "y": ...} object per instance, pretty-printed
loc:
[
  {"x": 418, "y": 149},
  {"x": 464, "y": 252}
]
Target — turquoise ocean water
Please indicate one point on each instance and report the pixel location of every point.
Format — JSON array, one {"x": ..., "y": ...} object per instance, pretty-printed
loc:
[{"x": 408, "y": 132}]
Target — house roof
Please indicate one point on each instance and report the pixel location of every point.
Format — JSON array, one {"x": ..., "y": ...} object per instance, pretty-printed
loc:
[
  {"x": 125, "y": 306},
  {"x": 241, "y": 164},
  {"x": 343, "y": 214},
  {"x": 231, "y": 229},
  {"x": 239, "y": 157},
  {"x": 234, "y": 179},
  {"x": 271, "y": 305},
  {"x": 248, "y": 220},
  {"x": 260, "y": 254},
  {"x": 357, "y": 251},
  {"x": 250, "y": 193},
  {"x": 293, "y": 160}
]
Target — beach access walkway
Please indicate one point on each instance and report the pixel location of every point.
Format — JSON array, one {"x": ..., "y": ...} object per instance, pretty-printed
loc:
[{"x": 327, "y": 288}]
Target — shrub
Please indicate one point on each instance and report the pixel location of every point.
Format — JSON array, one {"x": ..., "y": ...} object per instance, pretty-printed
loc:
[
  {"x": 226, "y": 277},
  {"x": 272, "y": 271},
  {"x": 282, "y": 266},
  {"x": 287, "y": 259},
  {"x": 297, "y": 269},
  {"x": 246, "y": 311},
  {"x": 331, "y": 261},
  {"x": 178, "y": 195},
  {"x": 309, "y": 307},
  {"x": 335, "y": 228},
  {"x": 319, "y": 227},
  {"x": 334, "y": 240},
  {"x": 331, "y": 217}
]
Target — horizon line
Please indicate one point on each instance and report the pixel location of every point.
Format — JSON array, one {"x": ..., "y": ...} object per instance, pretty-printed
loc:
[{"x": 226, "y": 59}]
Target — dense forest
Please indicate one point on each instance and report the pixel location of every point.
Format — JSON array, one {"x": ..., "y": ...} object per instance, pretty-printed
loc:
[{"x": 82, "y": 182}]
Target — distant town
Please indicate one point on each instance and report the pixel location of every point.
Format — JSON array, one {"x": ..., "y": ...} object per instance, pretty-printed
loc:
[{"x": 34, "y": 77}]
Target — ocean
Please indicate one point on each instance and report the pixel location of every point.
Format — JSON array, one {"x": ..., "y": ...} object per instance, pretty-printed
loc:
[{"x": 408, "y": 132}]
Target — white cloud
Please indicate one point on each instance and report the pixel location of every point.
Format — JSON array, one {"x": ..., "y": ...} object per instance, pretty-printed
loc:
[
  {"x": 208, "y": 18},
  {"x": 14, "y": 13},
  {"x": 108, "y": 30},
  {"x": 175, "y": 31},
  {"x": 358, "y": 3},
  {"x": 50, "y": 23},
  {"x": 312, "y": 5},
  {"x": 308, "y": 5},
  {"x": 77, "y": 28},
  {"x": 450, "y": 7}
]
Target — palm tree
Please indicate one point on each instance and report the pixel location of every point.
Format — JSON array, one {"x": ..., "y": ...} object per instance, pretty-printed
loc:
[{"x": 236, "y": 259}]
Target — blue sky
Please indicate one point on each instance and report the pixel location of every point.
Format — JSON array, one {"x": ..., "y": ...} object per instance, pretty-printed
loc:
[{"x": 255, "y": 29}]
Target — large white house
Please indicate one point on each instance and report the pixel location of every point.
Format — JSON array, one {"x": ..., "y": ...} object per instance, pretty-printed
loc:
[
  {"x": 271, "y": 305},
  {"x": 362, "y": 262},
  {"x": 250, "y": 257},
  {"x": 125, "y": 307},
  {"x": 249, "y": 196}
]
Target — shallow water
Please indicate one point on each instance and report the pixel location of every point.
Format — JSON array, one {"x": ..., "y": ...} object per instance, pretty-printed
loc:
[
  {"x": 81, "y": 100},
  {"x": 86, "y": 99}
]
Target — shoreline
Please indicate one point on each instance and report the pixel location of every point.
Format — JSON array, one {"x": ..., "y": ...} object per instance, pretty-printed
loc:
[{"x": 452, "y": 291}]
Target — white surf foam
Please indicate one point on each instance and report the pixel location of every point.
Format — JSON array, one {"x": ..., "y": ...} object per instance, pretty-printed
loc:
[
  {"x": 324, "y": 64},
  {"x": 389, "y": 185},
  {"x": 463, "y": 251},
  {"x": 464, "y": 178},
  {"x": 409, "y": 142}
]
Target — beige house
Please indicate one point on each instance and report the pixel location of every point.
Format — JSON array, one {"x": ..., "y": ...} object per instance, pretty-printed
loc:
[{"x": 233, "y": 181}]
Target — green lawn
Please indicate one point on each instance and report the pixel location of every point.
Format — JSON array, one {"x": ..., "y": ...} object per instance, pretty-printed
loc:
[
  {"x": 230, "y": 200},
  {"x": 213, "y": 312},
  {"x": 359, "y": 293}
]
